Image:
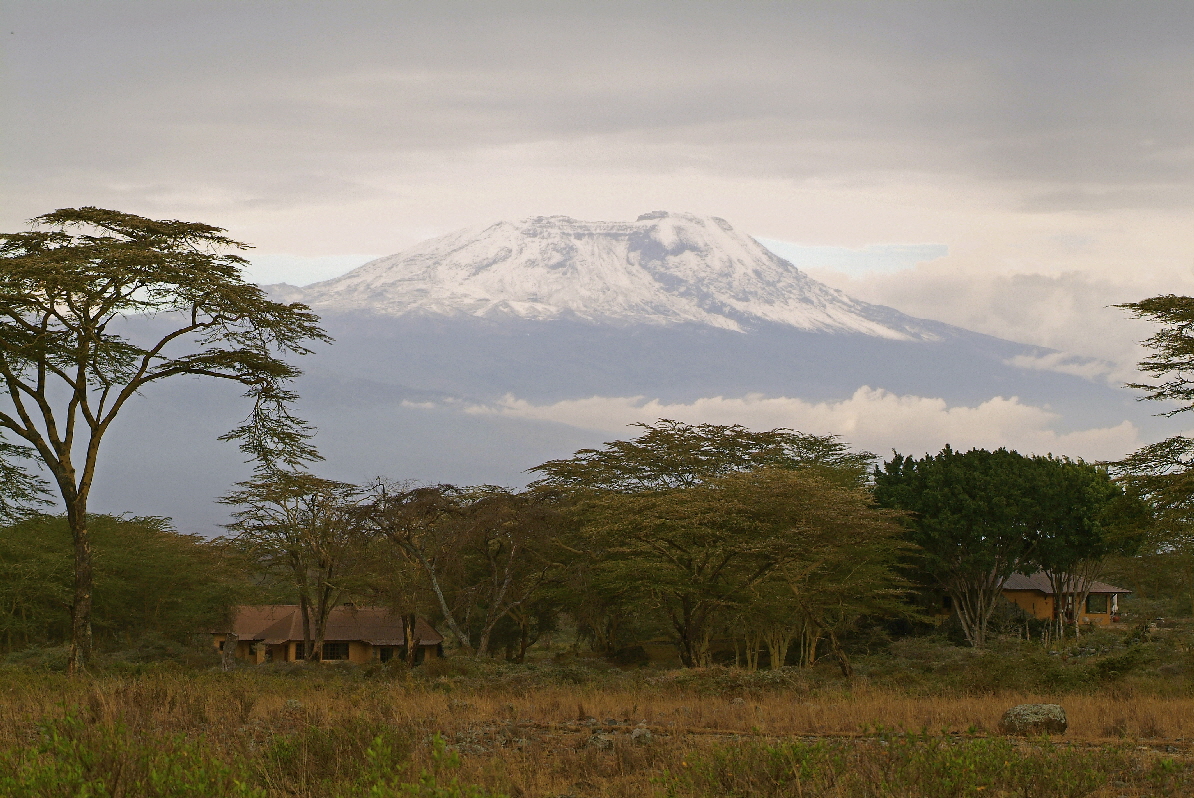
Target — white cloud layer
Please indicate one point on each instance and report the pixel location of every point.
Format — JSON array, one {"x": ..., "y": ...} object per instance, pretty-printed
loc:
[
  {"x": 872, "y": 419},
  {"x": 1073, "y": 312}
]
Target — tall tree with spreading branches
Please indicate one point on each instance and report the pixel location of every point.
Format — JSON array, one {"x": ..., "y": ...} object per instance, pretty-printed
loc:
[
  {"x": 1163, "y": 472},
  {"x": 70, "y": 358},
  {"x": 308, "y": 528}
]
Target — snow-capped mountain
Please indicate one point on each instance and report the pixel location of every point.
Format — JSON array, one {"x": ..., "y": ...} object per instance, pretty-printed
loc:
[
  {"x": 474, "y": 356},
  {"x": 661, "y": 268}
]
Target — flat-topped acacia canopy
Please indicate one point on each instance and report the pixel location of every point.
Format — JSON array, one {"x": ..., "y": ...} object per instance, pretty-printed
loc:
[{"x": 67, "y": 372}]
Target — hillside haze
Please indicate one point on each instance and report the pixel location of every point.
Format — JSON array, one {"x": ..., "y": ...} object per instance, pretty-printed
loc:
[{"x": 473, "y": 356}]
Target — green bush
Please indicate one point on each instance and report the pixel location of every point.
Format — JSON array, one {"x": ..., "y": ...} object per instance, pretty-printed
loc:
[
  {"x": 96, "y": 761},
  {"x": 926, "y": 766}
]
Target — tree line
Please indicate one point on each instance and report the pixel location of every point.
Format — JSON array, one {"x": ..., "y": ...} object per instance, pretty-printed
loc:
[
  {"x": 778, "y": 541},
  {"x": 775, "y": 545}
]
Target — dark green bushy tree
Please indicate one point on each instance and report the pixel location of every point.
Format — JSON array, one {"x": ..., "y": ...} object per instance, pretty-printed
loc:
[
  {"x": 151, "y": 583},
  {"x": 978, "y": 517},
  {"x": 1083, "y": 517},
  {"x": 971, "y": 517}
]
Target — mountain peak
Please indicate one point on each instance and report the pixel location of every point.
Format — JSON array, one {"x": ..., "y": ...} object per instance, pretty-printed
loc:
[{"x": 662, "y": 268}]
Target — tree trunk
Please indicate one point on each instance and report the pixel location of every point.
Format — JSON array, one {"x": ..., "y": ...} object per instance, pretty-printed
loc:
[
  {"x": 753, "y": 644},
  {"x": 809, "y": 638},
  {"x": 228, "y": 652},
  {"x": 308, "y": 643},
  {"x": 410, "y": 638},
  {"x": 703, "y": 654},
  {"x": 483, "y": 643},
  {"x": 461, "y": 637},
  {"x": 843, "y": 661},
  {"x": 778, "y": 641},
  {"x": 322, "y": 610},
  {"x": 974, "y": 602},
  {"x": 687, "y": 631},
  {"x": 80, "y": 621},
  {"x": 523, "y": 638}
]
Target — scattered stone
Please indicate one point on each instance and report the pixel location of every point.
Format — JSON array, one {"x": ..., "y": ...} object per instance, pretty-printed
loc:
[
  {"x": 601, "y": 742},
  {"x": 738, "y": 702},
  {"x": 612, "y": 722},
  {"x": 1029, "y": 719},
  {"x": 293, "y": 705},
  {"x": 641, "y": 735}
]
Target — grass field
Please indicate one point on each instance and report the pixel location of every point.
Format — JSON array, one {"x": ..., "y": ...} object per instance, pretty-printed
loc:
[{"x": 463, "y": 728}]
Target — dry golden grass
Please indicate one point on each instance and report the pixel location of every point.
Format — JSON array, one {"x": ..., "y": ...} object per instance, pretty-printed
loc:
[
  {"x": 536, "y": 741},
  {"x": 205, "y": 700}
]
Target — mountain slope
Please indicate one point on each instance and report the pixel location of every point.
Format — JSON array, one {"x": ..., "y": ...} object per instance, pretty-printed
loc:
[
  {"x": 663, "y": 268},
  {"x": 476, "y": 355}
]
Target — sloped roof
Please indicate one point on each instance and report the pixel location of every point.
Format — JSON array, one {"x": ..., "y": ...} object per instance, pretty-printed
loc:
[
  {"x": 1040, "y": 582},
  {"x": 275, "y": 624}
]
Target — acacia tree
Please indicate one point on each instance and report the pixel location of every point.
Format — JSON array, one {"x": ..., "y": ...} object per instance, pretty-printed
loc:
[
  {"x": 698, "y": 553},
  {"x": 1163, "y": 473},
  {"x": 483, "y": 551},
  {"x": 670, "y": 455},
  {"x": 308, "y": 527},
  {"x": 415, "y": 521},
  {"x": 506, "y": 542},
  {"x": 21, "y": 493},
  {"x": 839, "y": 576},
  {"x": 69, "y": 362}
]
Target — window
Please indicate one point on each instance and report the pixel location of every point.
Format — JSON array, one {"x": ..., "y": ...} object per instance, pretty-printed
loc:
[
  {"x": 1096, "y": 604},
  {"x": 388, "y": 653},
  {"x": 335, "y": 651}
]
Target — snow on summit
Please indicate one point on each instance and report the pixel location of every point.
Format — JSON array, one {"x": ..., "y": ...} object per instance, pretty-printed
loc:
[{"x": 661, "y": 268}]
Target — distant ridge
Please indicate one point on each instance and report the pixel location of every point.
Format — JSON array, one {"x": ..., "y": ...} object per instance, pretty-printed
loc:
[{"x": 662, "y": 268}]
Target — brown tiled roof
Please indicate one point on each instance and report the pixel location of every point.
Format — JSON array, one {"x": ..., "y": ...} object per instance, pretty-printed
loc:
[
  {"x": 1040, "y": 582},
  {"x": 280, "y": 623}
]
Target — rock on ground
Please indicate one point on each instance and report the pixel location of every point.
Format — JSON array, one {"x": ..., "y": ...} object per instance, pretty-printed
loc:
[
  {"x": 641, "y": 735},
  {"x": 1029, "y": 719},
  {"x": 602, "y": 742}
]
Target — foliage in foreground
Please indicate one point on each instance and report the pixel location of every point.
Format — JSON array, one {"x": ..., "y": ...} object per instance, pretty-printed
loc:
[
  {"x": 74, "y": 755},
  {"x": 80, "y": 758},
  {"x": 922, "y": 765}
]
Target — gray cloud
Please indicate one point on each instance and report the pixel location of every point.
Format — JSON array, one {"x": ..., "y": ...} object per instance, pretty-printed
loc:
[{"x": 288, "y": 104}]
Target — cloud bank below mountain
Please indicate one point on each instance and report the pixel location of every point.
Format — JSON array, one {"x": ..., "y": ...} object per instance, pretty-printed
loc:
[{"x": 871, "y": 418}]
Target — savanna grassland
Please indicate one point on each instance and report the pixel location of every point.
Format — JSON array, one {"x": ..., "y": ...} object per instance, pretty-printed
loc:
[{"x": 919, "y": 719}]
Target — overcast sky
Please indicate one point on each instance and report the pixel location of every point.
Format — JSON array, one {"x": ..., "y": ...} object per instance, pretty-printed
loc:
[{"x": 1046, "y": 148}]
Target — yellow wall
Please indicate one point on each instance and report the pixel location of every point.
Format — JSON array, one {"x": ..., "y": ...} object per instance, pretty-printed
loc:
[
  {"x": 1033, "y": 602},
  {"x": 1038, "y": 605},
  {"x": 359, "y": 653}
]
